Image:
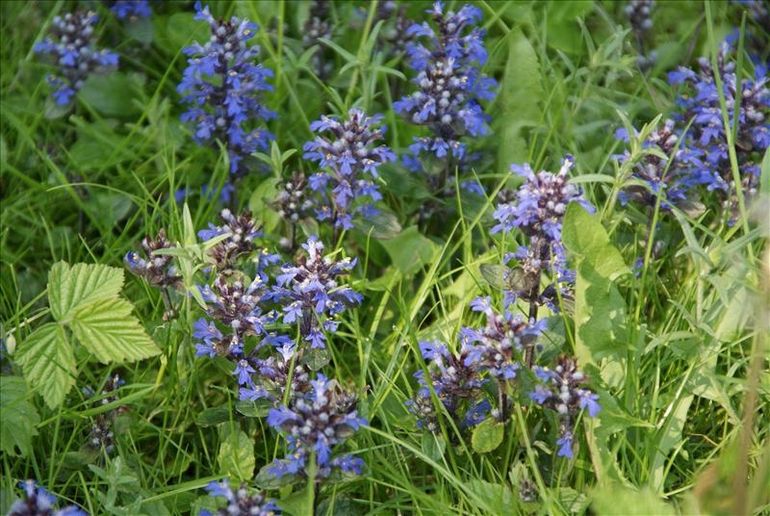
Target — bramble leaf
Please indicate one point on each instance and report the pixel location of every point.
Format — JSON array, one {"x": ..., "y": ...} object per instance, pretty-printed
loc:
[
  {"x": 48, "y": 363},
  {"x": 109, "y": 331},
  {"x": 18, "y": 417},
  {"x": 71, "y": 287},
  {"x": 236, "y": 455},
  {"x": 487, "y": 436}
]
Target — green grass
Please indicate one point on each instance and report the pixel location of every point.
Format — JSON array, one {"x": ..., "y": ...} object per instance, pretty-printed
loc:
[{"x": 686, "y": 391}]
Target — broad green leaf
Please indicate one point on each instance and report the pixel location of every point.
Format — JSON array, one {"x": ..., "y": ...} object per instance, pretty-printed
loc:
[
  {"x": 498, "y": 498},
  {"x": 113, "y": 94},
  {"x": 382, "y": 225},
  {"x": 600, "y": 310},
  {"x": 18, "y": 417},
  {"x": 614, "y": 499},
  {"x": 236, "y": 455},
  {"x": 48, "y": 363},
  {"x": 109, "y": 331},
  {"x": 410, "y": 250},
  {"x": 70, "y": 288},
  {"x": 213, "y": 416},
  {"x": 260, "y": 203},
  {"x": 487, "y": 435},
  {"x": 433, "y": 445},
  {"x": 521, "y": 94}
]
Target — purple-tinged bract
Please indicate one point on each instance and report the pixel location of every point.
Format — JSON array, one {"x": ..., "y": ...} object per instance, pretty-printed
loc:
[
  {"x": 157, "y": 269},
  {"x": 71, "y": 48},
  {"x": 223, "y": 85}
]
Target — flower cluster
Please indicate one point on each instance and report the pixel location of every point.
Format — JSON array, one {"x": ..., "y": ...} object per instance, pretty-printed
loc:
[
  {"x": 236, "y": 306},
  {"x": 131, "y": 9},
  {"x": 240, "y": 501},
  {"x": 293, "y": 202},
  {"x": 270, "y": 378},
  {"x": 639, "y": 14},
  {"x": 450, "y": 83},
  {"x": 662, "y": 169},
  {"x": 457, "y": 382},
  {"x": 101, "y": 435},
  {"x": 747, "y": 102},
  {"x": 71, "y": 48},
  {"x": 237, "y": 234},
  {"x": 222, "y": 85},
  {"x": 560, "y": 390},
  {"x": 498, "y": 347},
  {"x": 395, "y": 33},
  {"x": 37, "y": 501},
  {"x": 349, "y": 158},
  {"x": 317, "y": 26},
  {"x": 314, "y": 424},
  {"x": 157, "y": 269},
  {"x": 538, "y": 210},
  {"x": 310, "y": 293}
]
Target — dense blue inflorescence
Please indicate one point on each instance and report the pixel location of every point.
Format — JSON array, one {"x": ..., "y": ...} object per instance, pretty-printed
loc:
[
  {"x": 38, "y": 501},
  {"x": 223, "y": 85},
  {"x": 349, "y": 156},
  {"x": 497, "y": 348},
  {"x": 747, "y": 102},
  {"x": 314, "y": 424},
  {"x": 310, "y": 292},
  {"x": 663, "y": 169},
  {"x": 71, "y": 48},
  {"x": 450, "y": 85},
  {"x": 240, "y": 500},
  {"x": 457, "y": 383},
  {"x": 560, "y": 389},
  {"x": 131, "y": 9},
  {"x": 537, "y": 209}
]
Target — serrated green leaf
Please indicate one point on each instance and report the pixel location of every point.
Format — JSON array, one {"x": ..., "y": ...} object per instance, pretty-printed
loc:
[
  {"x": 236, "y": 455},
  {"x": 70, "y": 288},
  {"x": 487, "y": 436},
  {"x": 109, "y": 331},
  {"x": 18, "y": 417},
  {"x": 48, "y": 363},
  {"x": 433, "y": 445}
]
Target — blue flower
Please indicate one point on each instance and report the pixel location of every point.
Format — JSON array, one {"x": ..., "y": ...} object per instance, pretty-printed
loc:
[
  {"x": 131, "y": 9},
  {"x": 497, "y": 347},
  {"x": 349, "y": 158},
  {"x": 450, "y": 83},
  {"x": 222, "y": 86},
  {"x": 71, "y": 48},
  {"x": 665, "y": 177},
  {"x": 157, "y": 269},
  {"x": 37, "y": 500},
  {"x": 564, "y": 442},
  {"x": 310, "y": 293},
  {"x": 561, "y": 390},
  {"x": 241, "y": 500},
  {"x": 316, "y": 423},
  {"x": 705, "y": 143}
]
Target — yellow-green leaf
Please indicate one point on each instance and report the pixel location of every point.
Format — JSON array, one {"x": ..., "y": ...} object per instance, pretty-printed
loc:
[
  {"x": 48, "y": 363},
  {"x": 71, "y": 287},
  {"x": 109, "y": 331}
]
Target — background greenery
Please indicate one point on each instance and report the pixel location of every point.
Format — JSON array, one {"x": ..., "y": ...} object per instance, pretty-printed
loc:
[{"x": 679, "y": 363}]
